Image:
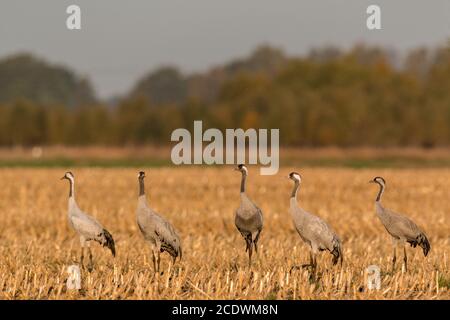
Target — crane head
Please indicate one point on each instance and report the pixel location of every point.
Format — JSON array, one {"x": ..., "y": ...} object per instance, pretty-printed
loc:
[
  {"x": 295, "y": 176},
  {"x": 141, "y": 175},
  {"x": 242, "y": 168},
  {"x": 378, "y": 180},
  {"x": 68, "y": 175}
]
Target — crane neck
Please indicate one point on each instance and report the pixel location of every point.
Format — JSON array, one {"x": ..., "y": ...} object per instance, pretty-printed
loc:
[
  {"x": 295, "y": 190},
  {"x": 243, "y": 181},
  {"x": 71, "y": 188},
  {"x": 141, "y": 187},
  {"x": 380, "y": 192}
]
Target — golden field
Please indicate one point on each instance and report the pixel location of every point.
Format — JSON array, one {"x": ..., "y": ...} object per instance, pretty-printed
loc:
[{"x": 37, "y": 245}]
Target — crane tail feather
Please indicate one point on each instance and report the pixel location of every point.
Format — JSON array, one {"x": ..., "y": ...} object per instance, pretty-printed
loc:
[
  {"x": 424, "y": 243},
  {"x": 337, "y": 253},
  {"x": 109, "y": 242}
]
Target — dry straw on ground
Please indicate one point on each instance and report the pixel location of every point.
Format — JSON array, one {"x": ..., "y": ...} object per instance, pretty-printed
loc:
[{"x": 37, "y": 246}]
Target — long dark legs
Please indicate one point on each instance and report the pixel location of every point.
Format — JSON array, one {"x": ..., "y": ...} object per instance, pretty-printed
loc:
[
  {"x": 82, "y": 256},
  {"x": 83, "y": 245},
  {"x": 250, "y": 251},
  {"x": 158, "y": 260},
  {"x": 91, "y": 260},
  {"x": 313, "y": 258},
  {"x": 255, "y": 242},
  {"x": 154, "y": 261},
  {"x": 405, "y": 258},
  {"x": 394, "y": 258}
]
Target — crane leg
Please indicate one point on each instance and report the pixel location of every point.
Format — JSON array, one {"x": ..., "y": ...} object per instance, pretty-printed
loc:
[
  {"x": 394, "y": 258},
  {"x": 250, "y": 252},
  {"x": 82, "y": 257},
  {"x": 154, "y": 260},
  {"x": 248, "y": 242},
  {"x": 159, "y": 259},
  {"x": 314, "y": 256},
  {"x": 405, "y": 258},
  {"x": 313, "y": 264},
  {"x": 83, "y": 245},
  {"x": 91, "y": 261},
  {"x": 255, "y": 242}
]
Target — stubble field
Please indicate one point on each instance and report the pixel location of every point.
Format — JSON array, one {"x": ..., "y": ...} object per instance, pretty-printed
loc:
[{"x": 37, "y": 245}]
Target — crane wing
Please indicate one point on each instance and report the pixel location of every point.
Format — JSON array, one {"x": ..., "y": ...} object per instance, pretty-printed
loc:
[
  {"x": 168, "y": 236},
  {"x": 401, "y": 226},
  {"x": 86, "y": 226}
]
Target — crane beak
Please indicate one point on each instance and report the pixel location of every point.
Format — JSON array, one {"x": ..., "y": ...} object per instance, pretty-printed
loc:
[
  {"x": 371, "y": 181},
  {"x": 63, "y": 178}
]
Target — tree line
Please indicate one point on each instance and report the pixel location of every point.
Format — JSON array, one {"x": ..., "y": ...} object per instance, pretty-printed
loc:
[{"x": 364, "y": 96}]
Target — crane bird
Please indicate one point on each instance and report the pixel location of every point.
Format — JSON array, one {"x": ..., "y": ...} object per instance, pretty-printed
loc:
[
  {"x": 87, "y": 227},
  {"x": 157, "y": 231},
  {"x": 401, "y": 228},
  {"x": 248, "y": 218},
  {"x": 313, "y": 230}
]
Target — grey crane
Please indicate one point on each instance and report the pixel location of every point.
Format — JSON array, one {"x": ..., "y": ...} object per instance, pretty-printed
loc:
[
  {"x": 313, "y": 230},
  {"x": 402, "y": 229},
  {"x": 248, "y": 217},
  {"x": 157, "y": 231},
  {"x": 87, "y": 227}
]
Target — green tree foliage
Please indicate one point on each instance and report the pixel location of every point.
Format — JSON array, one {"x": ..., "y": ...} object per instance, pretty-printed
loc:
[
  {"x": 24, "y": 77},
  {"x": 207, "y": 86},
  {"x": 359, "y": 97},
  {"x": 164, "y": 86}
]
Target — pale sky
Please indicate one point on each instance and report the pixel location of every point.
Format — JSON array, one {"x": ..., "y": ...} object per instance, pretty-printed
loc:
[{"x": 121, "y": 41}]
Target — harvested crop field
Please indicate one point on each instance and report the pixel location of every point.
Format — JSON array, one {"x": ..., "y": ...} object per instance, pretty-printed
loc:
[{"x": 37, "y": 245}]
